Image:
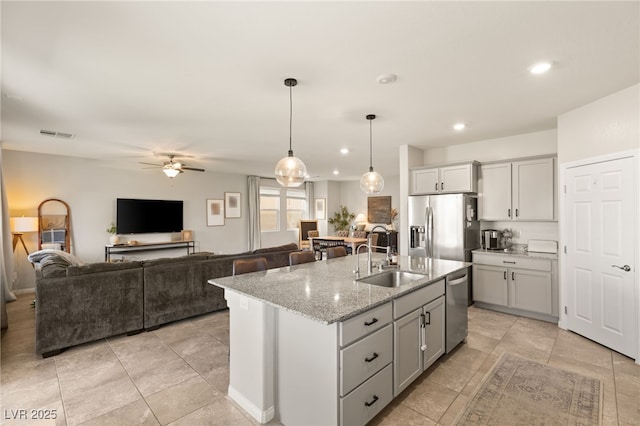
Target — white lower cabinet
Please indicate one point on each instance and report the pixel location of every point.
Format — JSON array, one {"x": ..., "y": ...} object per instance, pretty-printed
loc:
[
  {"x": 419, "y": 336},
  {"x": 343, "y": 373},
  {"x": 523, "y": 285}
]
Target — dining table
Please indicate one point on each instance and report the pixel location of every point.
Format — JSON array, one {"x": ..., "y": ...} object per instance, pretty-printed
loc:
[{"x": 352, "y": 242}]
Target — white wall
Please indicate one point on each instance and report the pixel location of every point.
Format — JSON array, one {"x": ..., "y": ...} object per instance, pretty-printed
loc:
[
  {"x": 91, "y": 187},
  {"x": 517, "y": 146},
  {"x": 608, "y": 125}
]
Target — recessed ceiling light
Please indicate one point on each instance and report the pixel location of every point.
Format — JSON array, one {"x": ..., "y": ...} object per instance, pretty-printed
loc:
[
  {"x": 344, "y": 151},
  {"x": 386, "y": 78},
  {"x": 459, "y": 126},
  {"x": 540, "y": 68},
  {"x": 336, "y": 172}
]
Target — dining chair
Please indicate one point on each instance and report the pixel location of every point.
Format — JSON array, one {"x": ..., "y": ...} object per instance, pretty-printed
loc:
[
  {"x": 298, "y": 257},
  {"x": 342, "y": 234},
  {"x": 337, "y": 251},
  {"x": 244, "y": 266}
]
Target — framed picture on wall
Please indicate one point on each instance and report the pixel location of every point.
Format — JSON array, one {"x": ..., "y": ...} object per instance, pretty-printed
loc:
[
  {"x": 232, "y": 205},
  {"x": 379, "y": 209},
  {"x": 215, "y": 212},
  {"x": 321, "y": 208}
]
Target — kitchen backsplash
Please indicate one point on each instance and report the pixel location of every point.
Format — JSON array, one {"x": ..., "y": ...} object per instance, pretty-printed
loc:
[{"x": 525, "y": 231}]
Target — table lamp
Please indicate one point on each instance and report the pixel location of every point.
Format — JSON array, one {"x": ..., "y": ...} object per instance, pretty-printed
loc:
[{"x": 20, "y": 226}]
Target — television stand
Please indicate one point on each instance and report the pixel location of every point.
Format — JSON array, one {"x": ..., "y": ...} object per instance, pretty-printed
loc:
[{"x": 126, "y": 248}]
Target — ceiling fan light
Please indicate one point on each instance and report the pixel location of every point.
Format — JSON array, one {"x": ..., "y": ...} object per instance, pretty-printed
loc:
[
  {"x": 170, "y": 171},
  {"x": 290, "y": 171}
]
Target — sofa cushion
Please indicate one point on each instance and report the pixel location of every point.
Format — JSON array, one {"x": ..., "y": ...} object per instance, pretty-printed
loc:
[
  {"x": 93, "y": 268},
  {"x": 285, "y": 247},
  {"x": 53, "y": 263},
  {"x": 168, "y": 260}
]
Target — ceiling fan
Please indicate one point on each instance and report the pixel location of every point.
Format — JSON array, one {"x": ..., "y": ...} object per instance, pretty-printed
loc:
[{"x": 173, "y": 168}]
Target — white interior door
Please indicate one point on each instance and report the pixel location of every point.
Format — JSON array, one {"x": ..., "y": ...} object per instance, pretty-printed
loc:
[{"x": 600, "y": 263}]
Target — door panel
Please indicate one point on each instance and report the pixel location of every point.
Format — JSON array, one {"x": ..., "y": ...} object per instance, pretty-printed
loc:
[
  {"x": 494, "y": 192},
  {"x": 532, "y": 197},
  {"x": 600, "y": 206},
  {"x": 407, "y": 363}
]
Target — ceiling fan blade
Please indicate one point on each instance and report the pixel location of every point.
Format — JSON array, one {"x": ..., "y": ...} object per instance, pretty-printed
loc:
[
  {"x": 192, "y": 169},
  {"x": 150, "y": 164}
]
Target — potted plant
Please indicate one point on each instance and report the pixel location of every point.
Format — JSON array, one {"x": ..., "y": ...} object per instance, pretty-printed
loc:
[
  {"x": 341, "y": 219},
  {"x": 113, "y": 239}
]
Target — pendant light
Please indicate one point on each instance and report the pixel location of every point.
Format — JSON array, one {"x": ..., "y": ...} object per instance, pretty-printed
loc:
[
  {"x": 371, "y": 182},
  {"x": 290, "y": 171}
]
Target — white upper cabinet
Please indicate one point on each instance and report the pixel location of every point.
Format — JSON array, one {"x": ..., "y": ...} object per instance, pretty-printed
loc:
[
  {"x": 494, "y": 192},
  {"x": 445, "y": 179},
  {"x": 519, "y": 190},
  {"x": 533, "y": 189}
]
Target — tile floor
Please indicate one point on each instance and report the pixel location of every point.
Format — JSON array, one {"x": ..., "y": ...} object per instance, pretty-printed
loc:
[{"x": 178, "y": 374}]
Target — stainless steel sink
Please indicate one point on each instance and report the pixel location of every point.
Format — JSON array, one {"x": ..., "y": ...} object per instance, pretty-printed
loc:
[{"x": 392, "y": 278}]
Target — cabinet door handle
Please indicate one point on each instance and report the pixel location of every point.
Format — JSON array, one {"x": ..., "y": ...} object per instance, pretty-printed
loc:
[
  {"x": 373, "y": 401},
  {"x": 509, "y": 261},
  {"x": 513, "y": 276},
  {"x": 516, "y": 212},
  {"x": 375, "y": 355},
  {"x": 423, "y": 333},
  {"x": 509, "y": 212},
  {"x": 442, "y": 186},
  {"x": 428, "y": 321},
  {"x": 373, "y": 321},
  {"x": 505, "y": 275},
  {"x": 436, "y": 188}
]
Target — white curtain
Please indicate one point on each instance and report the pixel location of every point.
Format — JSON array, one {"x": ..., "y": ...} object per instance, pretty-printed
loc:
[
  {"x": 254, "y": 212},
  {"x": 308, "y": 187},
  {"x": 6, "y": 252}
]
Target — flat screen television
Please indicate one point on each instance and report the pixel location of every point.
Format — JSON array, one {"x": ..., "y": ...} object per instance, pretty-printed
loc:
[{"x": 135, "y": 216}]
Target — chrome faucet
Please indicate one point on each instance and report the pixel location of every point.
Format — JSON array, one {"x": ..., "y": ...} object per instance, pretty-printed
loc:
[
  {"x": 388, "y": 248},
  {"x": 357, "y": 256},
  {"x": 370, "y": 247}
]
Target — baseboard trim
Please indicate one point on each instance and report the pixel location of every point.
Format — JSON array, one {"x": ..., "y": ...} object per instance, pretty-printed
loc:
[
  {"x": 255, "y": 412},
  {"x": 24, "y": 291}
]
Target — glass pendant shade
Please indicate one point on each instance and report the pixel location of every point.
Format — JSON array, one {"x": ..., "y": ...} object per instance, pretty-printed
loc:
[
  {"x": 371, "y": 182},
  {"x": 290, "y": 171}
]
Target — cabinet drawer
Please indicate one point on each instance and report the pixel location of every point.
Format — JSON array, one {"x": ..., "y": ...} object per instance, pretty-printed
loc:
[
  {"x": 364, "y": 358},
  {"x": 368, "y": 399},
  {"x": 365, "y": 323},
  {"x": 405, "y": 304},
  {"x": 512, "y": 262}
]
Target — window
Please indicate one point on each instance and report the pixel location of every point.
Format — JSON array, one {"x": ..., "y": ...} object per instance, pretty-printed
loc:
[
  {"x": 296, "y": 207},
  {"x": 269, "y": 209}
]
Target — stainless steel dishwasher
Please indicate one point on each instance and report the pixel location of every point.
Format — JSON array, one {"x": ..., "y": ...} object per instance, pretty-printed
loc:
[{"x": 456, "y": 311}]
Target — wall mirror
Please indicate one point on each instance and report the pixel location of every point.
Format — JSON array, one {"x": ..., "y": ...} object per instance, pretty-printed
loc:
[{"x": 54, "y": 225}]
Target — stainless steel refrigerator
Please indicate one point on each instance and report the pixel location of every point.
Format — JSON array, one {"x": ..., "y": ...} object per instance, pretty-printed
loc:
[{"x": 446, "y": 227}]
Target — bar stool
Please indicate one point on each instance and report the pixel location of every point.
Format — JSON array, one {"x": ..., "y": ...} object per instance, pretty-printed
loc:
[
  {"x": 244, "y": 266},
  {"x": 337, "y": 251},
  {"x": 298, "y": 257}
]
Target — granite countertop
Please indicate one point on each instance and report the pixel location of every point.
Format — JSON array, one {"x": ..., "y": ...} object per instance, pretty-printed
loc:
[
  {"x": 327, "y": 291},
  {"x": 518, "y": 253}
]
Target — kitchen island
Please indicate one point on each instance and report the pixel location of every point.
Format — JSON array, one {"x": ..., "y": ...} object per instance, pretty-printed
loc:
[{"x": 310, "y": 344}]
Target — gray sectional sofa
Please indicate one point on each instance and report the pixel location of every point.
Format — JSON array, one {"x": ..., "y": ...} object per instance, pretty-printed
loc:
[{"x": 81, "y": 303}]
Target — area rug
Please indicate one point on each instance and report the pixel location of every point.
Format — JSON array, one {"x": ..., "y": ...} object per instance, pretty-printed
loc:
[{"x": 519, "y": 391}]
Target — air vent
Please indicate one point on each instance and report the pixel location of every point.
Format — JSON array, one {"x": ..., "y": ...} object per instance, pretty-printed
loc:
[{"x": 56, "y": 134}]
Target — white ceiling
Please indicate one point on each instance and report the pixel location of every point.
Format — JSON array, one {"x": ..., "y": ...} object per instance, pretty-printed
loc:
[{"x": 205, "y": 79}]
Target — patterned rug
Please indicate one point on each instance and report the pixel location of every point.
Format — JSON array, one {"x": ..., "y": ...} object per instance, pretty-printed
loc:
[{"x": 518, "y": 391}]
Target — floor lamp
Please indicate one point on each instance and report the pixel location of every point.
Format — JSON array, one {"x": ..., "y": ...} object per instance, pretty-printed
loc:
[{"x": 19, "y": 227}]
